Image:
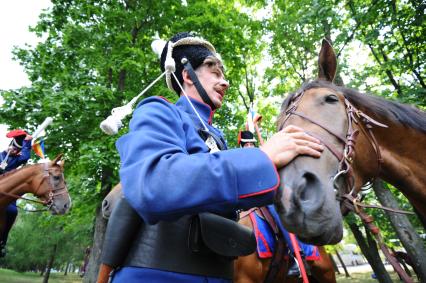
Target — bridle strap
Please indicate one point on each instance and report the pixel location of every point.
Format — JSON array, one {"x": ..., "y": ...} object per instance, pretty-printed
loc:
[
  {"x": 21, "y": 197},
  {"x": 52, "y": 194},
  {"x": 366, "y": 124},
  {"x": 340, "y": 138},
  {"x": 331, "y": 148},
  {"x": 355, "y": 205}
]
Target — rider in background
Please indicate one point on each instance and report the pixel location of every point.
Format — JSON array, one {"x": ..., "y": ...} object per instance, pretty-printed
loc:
[
  {"x": 246, "y": 139},
  {"x": 17, "y": 154}
]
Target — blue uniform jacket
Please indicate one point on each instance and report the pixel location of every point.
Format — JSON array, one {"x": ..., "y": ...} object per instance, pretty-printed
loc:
[
  {"x": 167, "y": 171},
  {"x": 15, "y": 161}
]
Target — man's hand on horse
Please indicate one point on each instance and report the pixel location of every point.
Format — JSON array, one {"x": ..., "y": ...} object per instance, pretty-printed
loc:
[{"x": 290, "y": 142}]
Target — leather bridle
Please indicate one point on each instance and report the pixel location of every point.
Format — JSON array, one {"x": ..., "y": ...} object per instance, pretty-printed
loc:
[
  {"x": 346, "y": 155},
  {"x": 53, "y": 192},
  {"x": 348, "y": 199}
]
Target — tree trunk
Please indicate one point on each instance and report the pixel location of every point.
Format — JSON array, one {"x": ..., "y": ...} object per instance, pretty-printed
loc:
[
  {"x": 50, "y": 264},
  {"x": 374, "y": 261},
  {"x": 66, "y": 269},
  {"x": 421, "y": 218},
  {"x": 336, "y": 269},
  {"x": 410, "y": 240},
  {"x": 343, "y": 264},
  {"x": 92, "y": 270},
  {"x": 95, "y": 254}
]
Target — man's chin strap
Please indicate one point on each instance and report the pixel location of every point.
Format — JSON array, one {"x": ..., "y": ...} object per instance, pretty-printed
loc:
[{"x": 188, "y": 67}]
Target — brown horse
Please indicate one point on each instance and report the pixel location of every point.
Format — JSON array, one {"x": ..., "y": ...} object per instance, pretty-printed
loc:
[
  {"x": 45, "y": 180},
  {"x": 366, "y": 137}
]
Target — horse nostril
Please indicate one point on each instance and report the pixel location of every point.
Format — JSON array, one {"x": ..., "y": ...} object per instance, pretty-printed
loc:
[
  {"x": 308, "y": 187},
  {"x": 65, "y": 205}
]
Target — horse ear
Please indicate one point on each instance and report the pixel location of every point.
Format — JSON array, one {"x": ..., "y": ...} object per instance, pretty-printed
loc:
[
  {"x": 327, "y": 62},
  {"x": 57, "y": 159}
]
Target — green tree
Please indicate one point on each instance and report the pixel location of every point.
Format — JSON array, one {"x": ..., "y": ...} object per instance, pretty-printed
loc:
[{"x": 96, "y": 56}]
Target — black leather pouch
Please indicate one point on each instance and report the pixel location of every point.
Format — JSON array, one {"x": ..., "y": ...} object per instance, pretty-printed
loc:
[{"x": 213, "y": 234}]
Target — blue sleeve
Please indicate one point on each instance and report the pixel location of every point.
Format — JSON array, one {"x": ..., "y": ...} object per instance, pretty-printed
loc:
[
  {"x": 21, "y": 159},
  {"x": 162, "y": 181},
  {"x": 25, "y": 152}
]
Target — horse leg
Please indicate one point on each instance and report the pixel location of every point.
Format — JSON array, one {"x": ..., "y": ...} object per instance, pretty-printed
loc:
[{"x": 322, "y": 270}]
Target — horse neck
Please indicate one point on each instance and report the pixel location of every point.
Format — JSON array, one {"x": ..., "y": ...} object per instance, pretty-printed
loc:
[
  {"x": 19, "y": 182},
  {"x": 403, "y": 152}
]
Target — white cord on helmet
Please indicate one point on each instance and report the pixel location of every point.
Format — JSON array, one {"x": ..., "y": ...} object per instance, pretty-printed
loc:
[
  {"x": 190, "y": 103},
  {"x": 113, "y": 123}
]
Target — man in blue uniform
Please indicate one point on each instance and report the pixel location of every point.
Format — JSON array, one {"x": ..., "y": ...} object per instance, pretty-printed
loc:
[
  {"x": 18, "y": 153},
  {"x": 176, "y": 169}
]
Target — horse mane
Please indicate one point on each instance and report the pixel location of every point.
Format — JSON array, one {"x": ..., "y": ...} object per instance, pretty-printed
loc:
[
  {"x": 4, "y": 175},
  {"x": 396, "y": 112}
]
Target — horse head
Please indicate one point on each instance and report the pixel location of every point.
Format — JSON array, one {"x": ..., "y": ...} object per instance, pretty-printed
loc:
[
  {"x": 313, "y": 190},
  {"x": 111, "y": 200},
  {"x": 50, "y": 186}
]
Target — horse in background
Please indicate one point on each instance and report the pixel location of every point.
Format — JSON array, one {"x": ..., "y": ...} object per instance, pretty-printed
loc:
[
  {"x": 365, "y": 136},
  {"x": 109, "y": 202},
  {"x": 44, "y": 180}
]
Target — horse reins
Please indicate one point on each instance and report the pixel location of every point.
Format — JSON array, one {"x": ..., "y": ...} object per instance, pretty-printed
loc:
[{"x": 52, "y": 191}]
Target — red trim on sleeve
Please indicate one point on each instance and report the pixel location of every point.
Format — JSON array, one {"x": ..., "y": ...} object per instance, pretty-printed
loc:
[{"x": 163, "y": 98}]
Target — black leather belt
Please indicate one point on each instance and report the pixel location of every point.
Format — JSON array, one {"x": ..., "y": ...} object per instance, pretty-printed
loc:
[{"x": 204, "y": 244}]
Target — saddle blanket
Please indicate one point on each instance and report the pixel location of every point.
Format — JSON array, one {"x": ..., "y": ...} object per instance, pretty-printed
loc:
[{"x": 265, "y": 237}]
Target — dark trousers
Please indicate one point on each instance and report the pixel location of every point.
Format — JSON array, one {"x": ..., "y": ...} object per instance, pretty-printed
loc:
[{"x": 11, "y": 213}]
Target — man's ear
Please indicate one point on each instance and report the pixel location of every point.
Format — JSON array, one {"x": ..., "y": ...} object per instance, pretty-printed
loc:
[{"x": 186, "y": 77}]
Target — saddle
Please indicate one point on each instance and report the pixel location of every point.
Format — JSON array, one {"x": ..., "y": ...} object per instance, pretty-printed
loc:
[{"x": 273, "y": 242}]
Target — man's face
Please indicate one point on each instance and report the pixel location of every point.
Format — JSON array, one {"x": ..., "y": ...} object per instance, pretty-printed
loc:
[
  {"x": 13, "y": 151},
  {"x": 248, "y": 144},
  {"x": 212, "y": 78}
]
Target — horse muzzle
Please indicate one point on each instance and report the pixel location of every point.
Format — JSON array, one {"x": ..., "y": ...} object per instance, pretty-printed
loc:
[{"x": 308, "y": 208}]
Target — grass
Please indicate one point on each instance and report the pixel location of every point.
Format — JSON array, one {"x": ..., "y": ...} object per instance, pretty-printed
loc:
[
  {"x": 10, "y": 276},
  {"x": 365, "y": 277}
]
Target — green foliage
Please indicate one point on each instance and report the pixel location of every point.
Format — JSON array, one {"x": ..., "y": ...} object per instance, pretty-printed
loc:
[
  {"x": 35, "y": 234},
  {"x": 96, "y": 55}
]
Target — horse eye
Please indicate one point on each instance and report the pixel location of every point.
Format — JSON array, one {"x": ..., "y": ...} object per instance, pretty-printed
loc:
[
  {"x": 56, "y": 178},
  {"x": 331, "y": 98}
]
